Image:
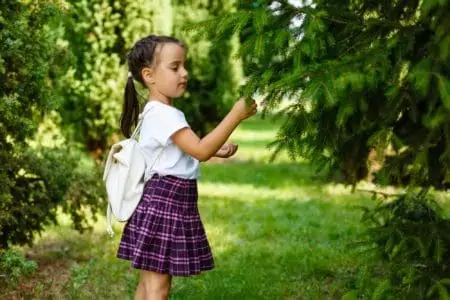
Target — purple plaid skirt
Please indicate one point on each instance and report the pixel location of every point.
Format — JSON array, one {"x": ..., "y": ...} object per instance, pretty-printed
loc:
[{"x": 165, "y": 233}]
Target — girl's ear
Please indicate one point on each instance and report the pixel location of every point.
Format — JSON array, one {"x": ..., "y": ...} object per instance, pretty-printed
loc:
[{"x": 148, "y": 75}]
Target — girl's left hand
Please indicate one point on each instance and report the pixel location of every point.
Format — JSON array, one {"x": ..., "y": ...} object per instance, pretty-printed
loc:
[{"x": 227, "y": 150}]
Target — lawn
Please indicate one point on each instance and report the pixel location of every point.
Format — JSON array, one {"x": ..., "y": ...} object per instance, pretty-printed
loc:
[{"x": 277, "y": 231}]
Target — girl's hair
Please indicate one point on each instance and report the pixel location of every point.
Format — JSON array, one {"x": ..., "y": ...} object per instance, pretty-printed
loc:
[{"x": 141, "y": 55}]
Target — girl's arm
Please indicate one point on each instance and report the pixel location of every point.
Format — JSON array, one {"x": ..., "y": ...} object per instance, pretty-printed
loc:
[{"x": 203, "y": 149}]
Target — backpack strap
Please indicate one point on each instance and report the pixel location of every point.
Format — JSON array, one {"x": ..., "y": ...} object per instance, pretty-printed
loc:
[{"x": 139, "y": 124}]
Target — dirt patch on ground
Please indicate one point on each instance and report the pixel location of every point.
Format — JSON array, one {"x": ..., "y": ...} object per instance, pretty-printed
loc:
[{"x": 47, "y": 282}]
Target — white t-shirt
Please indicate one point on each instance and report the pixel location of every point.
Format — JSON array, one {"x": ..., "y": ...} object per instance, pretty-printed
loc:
[{"x": 160, "y": 122}]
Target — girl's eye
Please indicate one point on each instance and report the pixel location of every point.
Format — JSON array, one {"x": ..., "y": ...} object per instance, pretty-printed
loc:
[{"x": 174, "y": 68}]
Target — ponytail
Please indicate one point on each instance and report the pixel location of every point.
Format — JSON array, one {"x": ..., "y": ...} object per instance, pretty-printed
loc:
[
  {"x": 130, "y": 110},
  {"x": 140, "y": 56}
]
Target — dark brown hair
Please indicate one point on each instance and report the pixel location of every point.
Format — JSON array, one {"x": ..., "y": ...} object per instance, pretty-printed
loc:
[{"x": 141, "y": 55}]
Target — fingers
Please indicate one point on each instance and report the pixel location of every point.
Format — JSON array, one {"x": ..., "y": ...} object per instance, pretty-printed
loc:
[
  {"x": 234, "y": 149},
  {"x": 245, "y": 107},
  {"x": 254, "y": 107},
  {"x": 231, "y": 149},
  {"x": 228, "y": 149}
]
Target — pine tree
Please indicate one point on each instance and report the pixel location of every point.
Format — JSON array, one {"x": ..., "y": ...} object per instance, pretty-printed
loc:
[{"x": 363, "y": 76}]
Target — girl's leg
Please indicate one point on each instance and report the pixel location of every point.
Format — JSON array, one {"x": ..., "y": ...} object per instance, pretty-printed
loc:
[
  {"x": 140, "y": 291},
  {"x": 153, "y": 286}
]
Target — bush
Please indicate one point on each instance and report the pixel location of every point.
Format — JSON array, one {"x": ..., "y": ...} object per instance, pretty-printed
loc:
[
  {"x": 411, "y": 236},
  {"x": 43, "y": 180},
  {"x": 38, "y": 171},
  {"x": 13, "y": 266}
]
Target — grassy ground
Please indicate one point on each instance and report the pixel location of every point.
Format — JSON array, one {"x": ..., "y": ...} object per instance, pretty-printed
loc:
[{"x": 277, "y": 231}]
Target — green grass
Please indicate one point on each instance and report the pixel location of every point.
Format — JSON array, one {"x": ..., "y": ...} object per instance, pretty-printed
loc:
[{"x": 277, "y": 231}]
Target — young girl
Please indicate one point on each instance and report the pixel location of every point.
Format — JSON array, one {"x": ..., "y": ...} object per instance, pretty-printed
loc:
[{"x": 165, "y": 235}]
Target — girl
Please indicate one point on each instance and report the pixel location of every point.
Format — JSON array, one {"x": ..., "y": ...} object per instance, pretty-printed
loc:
[{"x": 165, "y": 235}]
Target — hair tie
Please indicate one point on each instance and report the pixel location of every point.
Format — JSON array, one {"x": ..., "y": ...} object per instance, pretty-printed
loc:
[{"x": 130, "y": 75}]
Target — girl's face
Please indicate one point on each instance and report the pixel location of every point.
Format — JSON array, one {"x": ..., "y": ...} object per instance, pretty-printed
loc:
[{"x": 167, "y": 79}]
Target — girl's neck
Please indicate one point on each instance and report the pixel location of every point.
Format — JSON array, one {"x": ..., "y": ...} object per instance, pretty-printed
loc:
[{"x": 161, "y": 98}]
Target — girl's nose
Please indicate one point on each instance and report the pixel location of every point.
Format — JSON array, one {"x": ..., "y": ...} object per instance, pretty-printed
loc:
[{"x": 185, "y": 74}]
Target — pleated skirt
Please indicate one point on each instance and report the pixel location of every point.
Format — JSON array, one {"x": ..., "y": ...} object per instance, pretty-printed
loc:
[{"x": 165, "y": 233}]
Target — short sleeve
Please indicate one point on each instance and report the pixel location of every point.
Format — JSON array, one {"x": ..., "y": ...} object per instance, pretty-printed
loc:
[{"x": 162, "y": 122}]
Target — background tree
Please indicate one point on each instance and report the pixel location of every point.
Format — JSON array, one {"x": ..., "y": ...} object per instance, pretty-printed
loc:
[{"x": 94, "y": 80}]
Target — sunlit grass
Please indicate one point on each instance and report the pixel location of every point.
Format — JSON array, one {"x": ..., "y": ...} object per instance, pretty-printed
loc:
[
  {"x": 277, "y": 231},
  {"x": 253, "y": 137}
]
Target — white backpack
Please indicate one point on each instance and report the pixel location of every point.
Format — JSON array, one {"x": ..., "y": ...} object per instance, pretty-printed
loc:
[{"x": 124, "y": 178}]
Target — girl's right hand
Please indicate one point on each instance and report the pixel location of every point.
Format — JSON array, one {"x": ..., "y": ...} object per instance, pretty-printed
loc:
[{"x": 244, "y": 109}]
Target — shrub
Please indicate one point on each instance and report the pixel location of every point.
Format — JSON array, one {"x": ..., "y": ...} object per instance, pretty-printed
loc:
[
  {"x": 410, "y": 235},
  {"x": 13, "y": 266}
]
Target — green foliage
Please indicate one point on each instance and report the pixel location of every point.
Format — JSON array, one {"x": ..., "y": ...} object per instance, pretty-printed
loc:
[
  {"x": 13, "y": 266},
  {"x": 38, "y": 169},
  {"x": 361, "y": 77},
  {"x": 410, "y": 234}
]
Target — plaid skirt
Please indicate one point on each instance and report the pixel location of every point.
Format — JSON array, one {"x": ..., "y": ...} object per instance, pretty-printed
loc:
[{"x": 165, "y": 233}]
